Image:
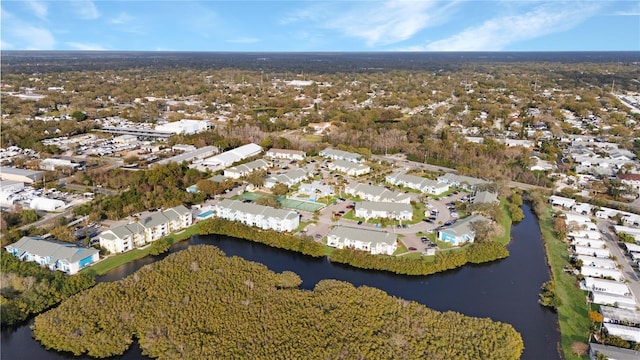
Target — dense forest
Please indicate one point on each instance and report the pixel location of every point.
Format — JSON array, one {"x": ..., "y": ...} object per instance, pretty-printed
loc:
[
  {"x": 28, "y": 288},
  {"x": 213, "y": 306}
]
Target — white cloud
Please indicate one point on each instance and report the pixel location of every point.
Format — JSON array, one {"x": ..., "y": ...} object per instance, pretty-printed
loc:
[
  {"x": 497, "y": 33},
  {"x": 39, "y": 9},
  {"x": 377, "y": 23},
  {"x": 32, "y": 38},
  {"x": 84, "y": 46},
  {"x": 85, "y": 9},
  {"x": 122, "y": 18},
  {"x": 243, "y": 40},
  {"x": 634, "y": 10}
]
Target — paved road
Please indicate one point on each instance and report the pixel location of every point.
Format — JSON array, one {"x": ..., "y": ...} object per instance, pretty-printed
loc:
[{"x": 629, "y": 272}]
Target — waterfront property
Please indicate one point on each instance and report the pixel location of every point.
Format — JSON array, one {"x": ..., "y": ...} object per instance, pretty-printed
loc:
[
  {"x": 596, "y": 272},
  {"x": 334, "y": 154},
  {"x": 605, "y": 286},
  {"x": 597, "y": 262},
  {"x": 589, "y": 251},
  {"x": 382, "y": 210},
  {"x": 55, "y": 255},
  {"x": 612, "y": 352},
  {"x": 376, "y": 193},
  {"x": 417, "y": 183},
  {"x": 460, "y": 232},
  {"x": 375, "y": 242},
  {"x": 628, "y": 333},
  {"x": 613, "y": 315},
  {"x": 348, "y": 167},
  {"x": 264, "y": 217},
  {"x": 561, "y": 201},
  {"x": 145, "y": 230}
]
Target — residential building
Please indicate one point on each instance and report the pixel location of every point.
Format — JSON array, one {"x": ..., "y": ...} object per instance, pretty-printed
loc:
[
  {"x": 622, "y": 301},
  {"x": 316, "y": 190},
  {"x": 55, "y": 255},
  {"x": 460, "y": 232},
  {"x": 632, "y": 180},
  {"x": 461, "y": 181},
  {"x": 418, "y": 183},
  {"x": 605, "y": 286},
  {"x": 593, "y": 243},
  {"x": 264, "y": 217},
  {"x": 611, "y": 352},
  {"x": 589, "y": 251},
  {"x": 384, "y": 210},
  {"x": 375, "y": 242},
  {"x": 561, "y": 201},
  {"x": 239, "y": 171},
  {"x": 286, "y": 154},
  {"x": 331, "y": 153},
  {"x": 597, "y": 262},
  {"x": 486, "y": 197},
  {"x": 582, "y": 208},
  {"x": 289, "y": 178},
  {"x": 376, "y": 193},
  {"x": 613, "y": 315},
  {"x": 598, "y": 272},
  {"x": 146, "y": 229},
  {"x": 628, "y": 333},
  {"x": 348, "y": 167}
]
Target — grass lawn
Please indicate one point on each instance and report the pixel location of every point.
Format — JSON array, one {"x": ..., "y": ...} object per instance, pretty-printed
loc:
[
  {"x": 114, "y": 261},
  {"x": 505, "y": 222},
  {"x": 572, "y": 314}
]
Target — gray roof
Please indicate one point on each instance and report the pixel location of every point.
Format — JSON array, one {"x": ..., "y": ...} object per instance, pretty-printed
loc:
[
  {"x": 364, "y": 235},
  {"x": 620, "y": 314},
  {"x": 289, "y": 176},
  {"x": 384, "y": 194},
  {"x": 33, "y": 175},
  {"x": 153, "y": 220},
  {"x": 250, "y": 166},
  {"x": 413, "y": 179},
  {"x": 54, "y": 250},
  {"x": 384, "y": 206},
  {"x": 464, "y": 226},
  {"x": 331, "y": 152},
  {"x": 349, "y": 164},
  {"x": 191, "y": 155},
  {"x": 613, "y": 352},
  {"x": 461, "y": 179},
  {"x": 485, "y": 197},
  {"x": 255, "y": 209}
]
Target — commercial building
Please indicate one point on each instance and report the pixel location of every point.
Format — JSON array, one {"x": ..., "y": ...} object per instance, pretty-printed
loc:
[
  {"x": 55, "y": 255},
  {"x": 22, "y": 175},
  {"x": 191, "y": 156},
  {"x": 46, "y": 204},
  {"x": 185, "y": 126},
  {"x": 227, "y": 158}
]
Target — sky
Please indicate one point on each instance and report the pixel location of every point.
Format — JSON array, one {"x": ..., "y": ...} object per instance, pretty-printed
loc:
[{"x": 320, "y": 26}]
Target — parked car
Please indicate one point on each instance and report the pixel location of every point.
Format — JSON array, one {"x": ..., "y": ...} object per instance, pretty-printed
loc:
[
  {"x": 411, "y": 248},
  {"x": 359, "y": 222}
]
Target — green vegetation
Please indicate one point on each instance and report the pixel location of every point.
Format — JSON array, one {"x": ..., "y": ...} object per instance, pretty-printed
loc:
[
  {"x": 213, "y": 307},
  {"x": 572, "y": 309},
  {"x": 29, "y": 289}
]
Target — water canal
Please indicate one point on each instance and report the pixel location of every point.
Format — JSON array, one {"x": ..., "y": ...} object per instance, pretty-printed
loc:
[{"x": 506, "y": 290}]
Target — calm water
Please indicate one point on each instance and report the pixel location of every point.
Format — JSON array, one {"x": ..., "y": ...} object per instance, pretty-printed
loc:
[{"x": 506, "y": 290}]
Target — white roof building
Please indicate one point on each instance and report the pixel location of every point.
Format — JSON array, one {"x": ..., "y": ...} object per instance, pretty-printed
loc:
[
  {"x": 46, "y": 204},
  {"x": 561, "y": 201},
  {"x": 597, "y": 262},
  {"x": 227, "y": 158},
  {"x": 264, "y": 217},
  {"x": 628, "y": 333},
  {"x": 336, "y": 154},
  {"x": 376, "y": 210},
  {"x": 585, "y": 250},
  {"x": 376, "y": 193},
  {"x": 605, "y": 286},
  {"x": 598, "y": 272},
  {"x": 349, "y": 167},
  {"x": 185, "y": 126},
  {"x": 289, "y": 178},
  {"x": 286, "y": 154},
  {"x": 418, "y": 183}
]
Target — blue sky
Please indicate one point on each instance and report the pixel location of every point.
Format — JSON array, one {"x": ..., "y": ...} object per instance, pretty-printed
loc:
[{"x": 412, "y": 25}]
